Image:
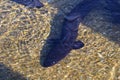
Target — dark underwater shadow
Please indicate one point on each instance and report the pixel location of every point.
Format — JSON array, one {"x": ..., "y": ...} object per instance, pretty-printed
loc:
[
  {"x": 8, "y": 74},
  {"x": 104, "y": 7}
]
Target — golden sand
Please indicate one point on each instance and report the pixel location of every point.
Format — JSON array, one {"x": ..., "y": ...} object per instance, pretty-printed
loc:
[{"x": 23, "y": 32}]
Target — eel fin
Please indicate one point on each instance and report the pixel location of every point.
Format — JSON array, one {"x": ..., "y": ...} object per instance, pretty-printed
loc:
[{"x": 78, "y": 44}]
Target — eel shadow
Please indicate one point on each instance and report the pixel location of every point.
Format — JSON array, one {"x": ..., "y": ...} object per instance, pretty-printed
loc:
[
  {"x": 7, "y": 74},
  {"x": 82, "y": 9}
]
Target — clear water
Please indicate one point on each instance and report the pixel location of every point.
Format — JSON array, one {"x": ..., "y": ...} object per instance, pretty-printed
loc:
[{"x": 23, "y": 33}]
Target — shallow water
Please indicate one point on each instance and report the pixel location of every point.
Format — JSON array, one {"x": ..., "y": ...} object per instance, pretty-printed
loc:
[{"x": 23, "y": 33}]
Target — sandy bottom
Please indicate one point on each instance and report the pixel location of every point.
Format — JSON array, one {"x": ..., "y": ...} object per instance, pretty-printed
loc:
[{"x": 23, "y": 33}]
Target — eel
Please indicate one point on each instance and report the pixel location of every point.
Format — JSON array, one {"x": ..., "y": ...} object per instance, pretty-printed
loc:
[
  {"x": 30, "y": 3},
  {"x": 61, "y": 47}
]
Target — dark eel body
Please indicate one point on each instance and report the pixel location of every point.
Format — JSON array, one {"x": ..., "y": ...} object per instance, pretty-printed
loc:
[{"x": 61, "y": 47}]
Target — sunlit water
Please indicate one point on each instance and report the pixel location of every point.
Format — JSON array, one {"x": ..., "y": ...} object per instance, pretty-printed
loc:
[{"x": 23, "y": 32}]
